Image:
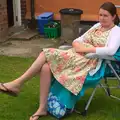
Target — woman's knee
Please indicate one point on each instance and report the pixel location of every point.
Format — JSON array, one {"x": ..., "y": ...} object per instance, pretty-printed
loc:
[{"x": 42, "y": 54}]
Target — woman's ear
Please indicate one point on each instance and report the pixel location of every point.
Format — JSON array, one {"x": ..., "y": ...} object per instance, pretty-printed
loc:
[{"x": 114, "y": 17}]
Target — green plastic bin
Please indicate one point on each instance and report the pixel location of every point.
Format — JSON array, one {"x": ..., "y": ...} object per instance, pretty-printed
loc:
[{"x": 52, "y": 32}]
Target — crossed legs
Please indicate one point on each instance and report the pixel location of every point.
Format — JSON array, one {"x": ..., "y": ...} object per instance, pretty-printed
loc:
[{"x": 39, "y": 66}]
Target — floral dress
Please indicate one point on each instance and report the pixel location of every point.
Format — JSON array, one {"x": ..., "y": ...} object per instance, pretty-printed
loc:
[{"x": 70, "y": 68}]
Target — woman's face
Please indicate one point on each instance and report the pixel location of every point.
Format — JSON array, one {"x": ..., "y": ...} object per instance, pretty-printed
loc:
[{"x": 105, "y": 18}]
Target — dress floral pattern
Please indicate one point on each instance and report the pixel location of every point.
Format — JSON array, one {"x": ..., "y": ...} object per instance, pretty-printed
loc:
[{"x": 70, "y": 68}]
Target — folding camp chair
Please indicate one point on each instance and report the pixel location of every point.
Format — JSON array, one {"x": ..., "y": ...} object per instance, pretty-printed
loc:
[{"x": 113, "y": 71}]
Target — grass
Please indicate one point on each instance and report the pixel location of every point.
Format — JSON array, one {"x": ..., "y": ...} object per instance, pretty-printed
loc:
[{"x": 20, "y": 108}]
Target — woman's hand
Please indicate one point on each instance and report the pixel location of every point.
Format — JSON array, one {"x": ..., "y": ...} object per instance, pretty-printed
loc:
[
  {"x": 79, "y": 47},
  {"x": 83, "y": 47}
]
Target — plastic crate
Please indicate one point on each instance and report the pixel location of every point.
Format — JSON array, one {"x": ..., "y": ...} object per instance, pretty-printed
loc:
[
  {"x": 43, "y": 19},
  {"x": 52, "y": 32}
]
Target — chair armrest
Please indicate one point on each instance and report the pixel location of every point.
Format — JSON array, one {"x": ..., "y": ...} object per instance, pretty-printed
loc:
[
  {"x": 94, "y": 55},
  {"x": 90, "y": 55},
  {"x": 65, "y": 47}
]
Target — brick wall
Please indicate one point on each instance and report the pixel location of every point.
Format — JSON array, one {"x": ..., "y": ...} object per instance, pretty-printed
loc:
[
  {"x": 3, "y": 18},
  {"x": 23, "y": 10}
]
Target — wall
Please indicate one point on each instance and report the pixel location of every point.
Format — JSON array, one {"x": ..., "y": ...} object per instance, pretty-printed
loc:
[
  {"x": 23, "y": 10},
  {"x": 89, "y": 7},
  {"x": 3, "y": 18}
]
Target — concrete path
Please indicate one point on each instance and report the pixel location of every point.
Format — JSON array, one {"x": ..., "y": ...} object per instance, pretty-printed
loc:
[{"x": 27, "y": 48}]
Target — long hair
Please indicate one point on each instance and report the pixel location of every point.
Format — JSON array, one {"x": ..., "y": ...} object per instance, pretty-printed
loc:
[{"x": 110, "y": 7}]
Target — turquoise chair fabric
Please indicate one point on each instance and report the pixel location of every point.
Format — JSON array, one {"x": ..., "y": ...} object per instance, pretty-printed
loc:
[
  {"x": 69, "y": 99},
  {"x": 117, "y": 55}
]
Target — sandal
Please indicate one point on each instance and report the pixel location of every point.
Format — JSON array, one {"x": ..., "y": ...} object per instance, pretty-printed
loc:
[
  {"x": 37, "y": 116},
  {"x": 7, "y": 91}
]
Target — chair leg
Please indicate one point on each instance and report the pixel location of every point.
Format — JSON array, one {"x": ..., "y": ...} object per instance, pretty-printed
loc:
[
  {"x": 107, "y": 91},
  {"x": 118, "y": 78},
  {"x": 84, "y": 113},
  {"x": 106, "y": 88}
]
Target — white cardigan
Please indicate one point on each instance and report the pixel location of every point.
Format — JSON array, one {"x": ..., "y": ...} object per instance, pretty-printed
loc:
[{"x": 111, "y": 47}]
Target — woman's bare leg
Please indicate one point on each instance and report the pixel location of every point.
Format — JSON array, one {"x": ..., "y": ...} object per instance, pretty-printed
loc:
[
  {"x": 45, "y": 81},
  {"x": 35, "y": 68}
]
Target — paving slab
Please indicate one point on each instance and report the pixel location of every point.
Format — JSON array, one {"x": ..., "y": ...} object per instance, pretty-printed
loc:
[{"x": 25, "y": 34}]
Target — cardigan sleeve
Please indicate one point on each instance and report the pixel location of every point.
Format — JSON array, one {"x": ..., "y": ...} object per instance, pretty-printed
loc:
[
  {"x": 81, "y": 38},
  {"x": 113, "y": 43}
]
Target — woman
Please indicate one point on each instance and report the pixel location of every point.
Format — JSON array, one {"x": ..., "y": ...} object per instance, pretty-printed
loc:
[{"x": 70, "y": 67}]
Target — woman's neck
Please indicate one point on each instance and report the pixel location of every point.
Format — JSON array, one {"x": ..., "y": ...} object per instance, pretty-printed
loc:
[{"x": 105, "y": 28}]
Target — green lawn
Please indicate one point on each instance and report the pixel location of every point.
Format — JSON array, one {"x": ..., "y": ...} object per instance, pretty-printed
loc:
[{"x": 20, "y": 108}]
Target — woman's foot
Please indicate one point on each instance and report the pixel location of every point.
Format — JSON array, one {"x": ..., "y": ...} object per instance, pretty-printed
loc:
[
  {"x": 10, "y": 88},
  {"x": 39, "y": 113}
]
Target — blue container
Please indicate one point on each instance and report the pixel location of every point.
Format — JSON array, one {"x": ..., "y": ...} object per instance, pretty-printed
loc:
[{"x": 43, "y": 19}]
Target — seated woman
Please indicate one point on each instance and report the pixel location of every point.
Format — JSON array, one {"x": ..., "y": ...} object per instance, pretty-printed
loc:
[{"x": 70, "y": 67}]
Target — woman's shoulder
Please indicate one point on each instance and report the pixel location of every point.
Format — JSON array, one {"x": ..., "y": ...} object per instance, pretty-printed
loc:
[
  {"x": 116, "y": 30},
  {"x": 116, "y": 27}
]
